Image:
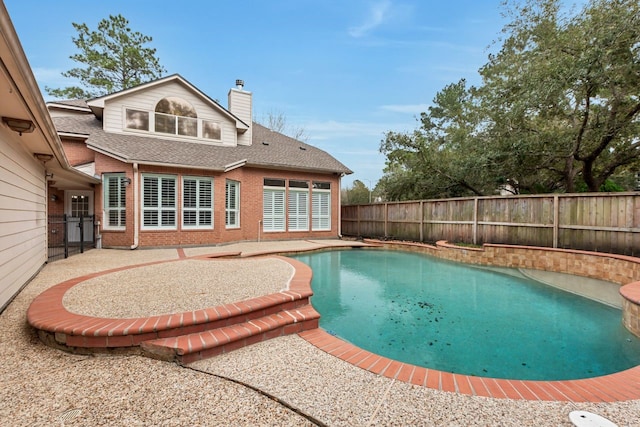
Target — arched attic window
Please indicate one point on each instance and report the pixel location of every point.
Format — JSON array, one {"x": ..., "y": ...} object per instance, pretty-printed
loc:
[{"x": 176, "y": 116}]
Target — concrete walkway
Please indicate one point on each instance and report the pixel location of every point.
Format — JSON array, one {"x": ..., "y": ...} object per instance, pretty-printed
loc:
[{"x": 284, "y": 381}]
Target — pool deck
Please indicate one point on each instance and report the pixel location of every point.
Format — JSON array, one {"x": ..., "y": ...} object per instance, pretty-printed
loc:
[{"x": 309, "y": 378}]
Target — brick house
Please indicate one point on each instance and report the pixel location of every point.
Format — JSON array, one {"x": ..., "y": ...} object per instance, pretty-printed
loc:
[{"x": 176, "y": 168}]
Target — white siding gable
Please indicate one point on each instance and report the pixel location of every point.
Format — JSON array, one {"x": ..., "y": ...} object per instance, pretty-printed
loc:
[{"x": 146, "y": 100}]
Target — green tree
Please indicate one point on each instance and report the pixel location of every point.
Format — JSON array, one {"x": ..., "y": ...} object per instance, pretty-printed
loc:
[
  {"x": 114, "y": 58},
  {"x": 357, "y": 194},
  {"x": 563, "y": 94},
  {"x": 444, "y": 157},
  {"x": 558, "y": 110}
]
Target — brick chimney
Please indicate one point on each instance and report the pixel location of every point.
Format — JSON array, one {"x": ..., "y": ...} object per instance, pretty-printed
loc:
[{"x": 240, "y": 105}]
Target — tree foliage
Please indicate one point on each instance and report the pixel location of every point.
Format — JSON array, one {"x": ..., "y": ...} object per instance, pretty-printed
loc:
[
  {"x": 558, "y": 110},
  {"x": 357, "y": 194},
  {"x": 113, "y": 58}
]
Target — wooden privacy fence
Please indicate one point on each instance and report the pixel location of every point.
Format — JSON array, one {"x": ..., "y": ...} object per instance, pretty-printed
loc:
[{"x": 604, "y": 222}]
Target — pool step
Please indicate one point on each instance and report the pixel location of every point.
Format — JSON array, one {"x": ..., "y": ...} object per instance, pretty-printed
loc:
[{"x": 189, "y": 348}]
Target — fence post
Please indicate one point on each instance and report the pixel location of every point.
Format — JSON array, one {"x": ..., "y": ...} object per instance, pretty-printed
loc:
[
  {"x": 421, "y": 220},
  {"x": 475, "y": 221},
  {"x": 358, "y": 217},
  {"x": 386, "y": 220},
  {"x": 556, "y": 219}
]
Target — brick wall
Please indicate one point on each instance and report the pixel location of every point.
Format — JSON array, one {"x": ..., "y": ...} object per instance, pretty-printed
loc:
[
  {"x": 77, "y": 152},
  {"x": 251, "y": 187}
]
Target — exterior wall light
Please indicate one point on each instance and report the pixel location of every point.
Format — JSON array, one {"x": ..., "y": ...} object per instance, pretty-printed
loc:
[
  {"x": 126, "y": 182},
  {"x": 19, "y": 125},
  {"x": 43, "y": 157}
]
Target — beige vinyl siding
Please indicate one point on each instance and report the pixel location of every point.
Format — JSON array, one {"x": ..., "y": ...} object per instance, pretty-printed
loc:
[
  {"x": 146, "y": 100},
  {"x": 240, "y": 105},
  {"x": 23, "y": 219}
]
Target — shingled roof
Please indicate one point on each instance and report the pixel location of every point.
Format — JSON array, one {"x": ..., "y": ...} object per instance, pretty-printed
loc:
[{"x": 269, "y": 149}]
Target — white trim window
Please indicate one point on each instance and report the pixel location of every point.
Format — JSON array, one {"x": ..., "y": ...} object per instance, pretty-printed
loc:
[
  {"x": 321, "y": 206},
  {"x": 172, "y": 116},
  {"x": 114, "y": 201},
  {"x": 298, "y": 200},
  {"x": 136, "y": 119},
  {"x": 232, "y": 204},
  {"x": 273, "y": 205},
  {"x": 197, "y": 202},
  {"x": 159, "y": 202}
]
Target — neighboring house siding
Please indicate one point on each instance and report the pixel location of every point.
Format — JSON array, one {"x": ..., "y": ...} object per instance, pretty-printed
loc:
[
  {"x": 146, "y": 101},
  {"x": 23, "y": 218}
]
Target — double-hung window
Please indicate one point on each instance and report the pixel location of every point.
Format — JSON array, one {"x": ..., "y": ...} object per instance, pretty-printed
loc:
[
  {"x": 232, "y": 204},
  {"x": 197, "y": 202},
  {"x": 115, "y": 206},
  {"x": 321, "y": 206},
  {"x": 273, "y": 205},
  {"x": 298, "y": 205},
  {"x": 158, "y": 202}
]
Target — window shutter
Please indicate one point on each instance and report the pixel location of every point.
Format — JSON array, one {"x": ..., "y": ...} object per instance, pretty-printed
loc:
[
  {"x": 321, "y": 211},
  {"x": 273, "y": 210}
]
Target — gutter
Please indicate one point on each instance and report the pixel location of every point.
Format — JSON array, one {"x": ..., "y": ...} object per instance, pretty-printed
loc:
[{"x": 235, "y": 165}]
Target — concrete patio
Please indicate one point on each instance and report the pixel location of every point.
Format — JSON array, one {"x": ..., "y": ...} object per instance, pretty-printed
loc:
[{"x": 283, "y": 381}]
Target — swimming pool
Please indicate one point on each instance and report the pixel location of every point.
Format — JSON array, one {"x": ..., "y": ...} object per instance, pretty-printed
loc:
[{"x": 457, "y": 318}]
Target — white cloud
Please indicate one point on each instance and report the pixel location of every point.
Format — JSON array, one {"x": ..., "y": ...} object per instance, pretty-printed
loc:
[
  {"x": 376, "y": 16},
  {"x": 405, "y": 108}
]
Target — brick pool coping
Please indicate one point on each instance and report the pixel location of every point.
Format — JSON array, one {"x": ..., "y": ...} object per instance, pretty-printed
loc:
[{"x": 48, "y": 313}]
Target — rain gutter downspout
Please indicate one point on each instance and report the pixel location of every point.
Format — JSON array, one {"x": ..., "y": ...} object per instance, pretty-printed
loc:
[
  {"x": 340, "y": 206},
  {"x": 136, "y": 208}
]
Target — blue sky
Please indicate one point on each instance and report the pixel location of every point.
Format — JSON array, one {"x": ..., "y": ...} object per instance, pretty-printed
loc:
[{"x": 344, "y": 71}]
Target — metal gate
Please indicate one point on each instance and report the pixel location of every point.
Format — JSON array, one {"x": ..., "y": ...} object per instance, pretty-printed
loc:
[{"x": 70, "y": 235}]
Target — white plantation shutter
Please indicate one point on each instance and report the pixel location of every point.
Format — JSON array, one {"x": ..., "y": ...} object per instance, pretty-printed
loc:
[
  {"x": 197, "y": 202},
  {"x": 321, "y": 210},
  {"x": 273, "y": 210},
  {"x": 298, "y": 210},
  {"x": 232, "y": 204},
  {"x": 158, "y": 202},
  {"x": 115, "y": 201},
  {"x": 205, "y": 202}
]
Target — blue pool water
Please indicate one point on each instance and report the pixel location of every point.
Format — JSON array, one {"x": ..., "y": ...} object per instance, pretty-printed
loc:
[{"x": 457, "y": 318}]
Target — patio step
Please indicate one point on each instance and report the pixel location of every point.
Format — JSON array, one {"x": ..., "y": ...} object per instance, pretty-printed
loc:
[
  {"x": 189, "y": 348},
  {"x": 184, "y": 336}
]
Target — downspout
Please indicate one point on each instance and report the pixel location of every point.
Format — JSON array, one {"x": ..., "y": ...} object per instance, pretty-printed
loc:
[
  {"x": 340, "y": 206},
  {"x": 136, "y": 208}
]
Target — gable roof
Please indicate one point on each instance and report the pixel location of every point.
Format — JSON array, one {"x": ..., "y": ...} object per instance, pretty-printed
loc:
[
  {"x": 269, "y": 149},
  {"x": 97, "y": 104}
]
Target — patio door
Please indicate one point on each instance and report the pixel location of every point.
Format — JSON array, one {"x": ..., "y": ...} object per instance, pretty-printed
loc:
[{"x": 79, "y": 204}]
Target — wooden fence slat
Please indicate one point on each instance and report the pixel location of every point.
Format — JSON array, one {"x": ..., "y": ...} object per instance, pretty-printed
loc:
[{"x": 588, "y": 221}]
